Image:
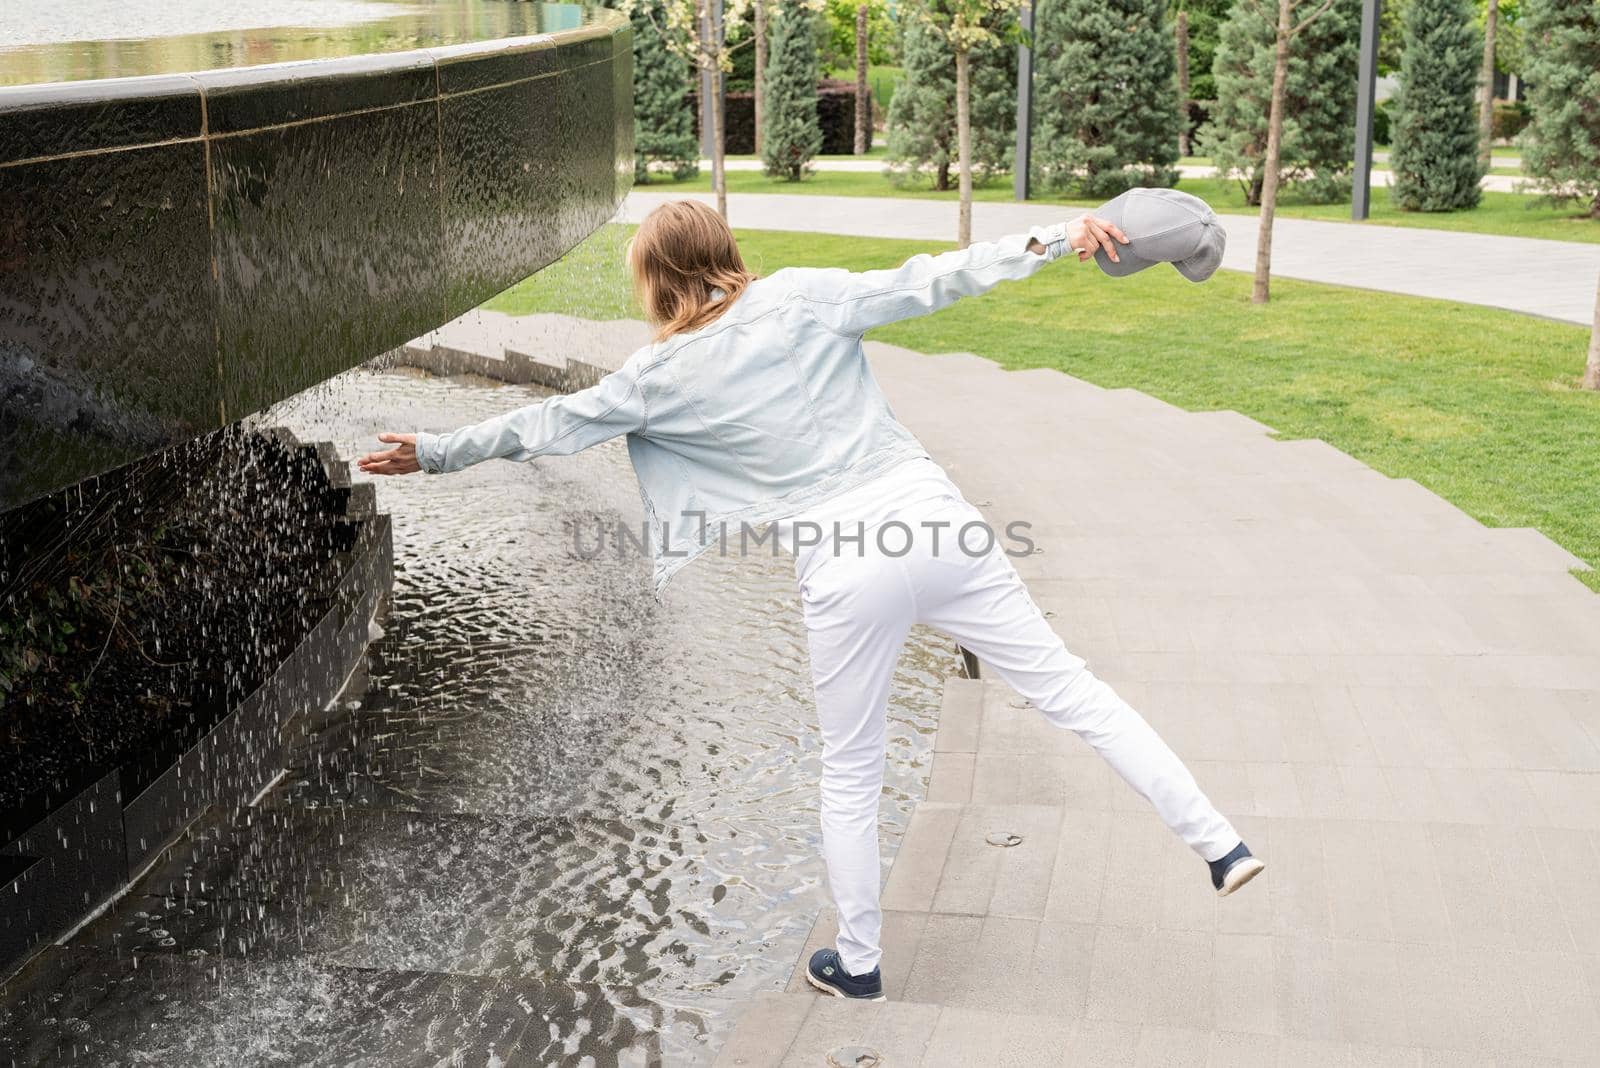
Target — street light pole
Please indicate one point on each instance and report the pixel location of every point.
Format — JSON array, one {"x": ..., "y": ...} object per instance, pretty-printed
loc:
[
  {"x": 711, "y": 32},
  {"x": 1024, "y": 154},
  {"x": 1366, "y": 99}
]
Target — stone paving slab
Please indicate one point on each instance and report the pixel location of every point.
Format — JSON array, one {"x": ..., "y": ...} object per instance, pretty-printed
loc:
[
  {"x": 794, "y": 1029},
  {"x": 1018, "y": 992},
  {"x": 1553, "y": 279}
]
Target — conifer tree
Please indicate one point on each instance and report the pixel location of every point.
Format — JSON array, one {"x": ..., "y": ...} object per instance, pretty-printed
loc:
[
  {"x": 1319, "y": 123},
  {"x": 1434, "y": 122},
  {"x": 792, "y": 135},
  {"x": 922, "y": 112},
  {"x": 1561, "y": 145},
  {"x": 1105, "y": 82},
  {"x": 663, "y": 124}
]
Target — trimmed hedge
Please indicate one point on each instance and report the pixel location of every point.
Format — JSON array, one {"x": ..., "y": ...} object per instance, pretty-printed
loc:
[
  {"x": 836, "y": 113},
  {"x": 1510, "y": 117}
]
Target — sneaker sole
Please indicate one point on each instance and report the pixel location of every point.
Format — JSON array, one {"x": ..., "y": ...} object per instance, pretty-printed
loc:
[
  {"x": 1239, "y": 874},
  {"x": 835, "y": 991}
]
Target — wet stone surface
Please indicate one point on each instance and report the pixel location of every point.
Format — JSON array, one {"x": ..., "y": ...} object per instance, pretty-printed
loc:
[{"x": 555, "y": 796}]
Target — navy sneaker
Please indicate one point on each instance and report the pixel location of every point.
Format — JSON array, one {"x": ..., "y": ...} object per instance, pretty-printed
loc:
[
  {"x": 1234, "y": 870},
  {"x": 826, "y": 973}
]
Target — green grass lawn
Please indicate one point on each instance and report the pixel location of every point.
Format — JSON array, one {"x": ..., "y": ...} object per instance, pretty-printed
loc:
[
  {"x": 1380, "y": 165},
  {"x": 881, "y": 80},
  {"x": 1514, "y": 214},
  {"x": 1479, "y": 405},
  {"x": 879, "y": 150}
]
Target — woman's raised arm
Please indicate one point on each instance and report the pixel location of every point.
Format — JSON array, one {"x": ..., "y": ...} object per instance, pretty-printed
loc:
[{"x": 853, "y": 303}]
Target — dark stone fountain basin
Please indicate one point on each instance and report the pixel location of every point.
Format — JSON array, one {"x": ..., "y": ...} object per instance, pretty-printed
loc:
[
  {"x": 67, "y": 845},
  {"x": 195, "y": 226}
]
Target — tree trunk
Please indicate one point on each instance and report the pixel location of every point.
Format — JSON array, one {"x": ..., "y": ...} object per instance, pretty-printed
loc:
[
  {"x": 1486, "y": 113},
  {"x": 941, "y": 180},
  {"x": 1260, "y": 294},
  {"x": 761, "y": 67},
  {"x": 719, "y": 148},
  {"x": 863, "y": 98},
  {"x": 708, "y": 56},
  {"x": 964, "y": 144},
  {"x": 1591, "y": 372},
  {"x": 1183, "y": 83}
]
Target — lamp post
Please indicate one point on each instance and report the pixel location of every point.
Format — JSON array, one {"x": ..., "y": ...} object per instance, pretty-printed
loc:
[
  {"x": 1024, "y": 155},
  {"x": 1366, "y": 99},
  {"x": 711, "y": 31}
]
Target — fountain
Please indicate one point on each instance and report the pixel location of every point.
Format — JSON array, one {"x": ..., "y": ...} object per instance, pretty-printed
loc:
[
  {"x": 205, "y": 210},
  {"x": 195, "y": 225}
]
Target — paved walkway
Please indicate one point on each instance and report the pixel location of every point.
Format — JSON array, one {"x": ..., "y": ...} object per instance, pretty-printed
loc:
[
  {"x": 1398, "y": 707},
  {"x": 1502, "y": 183},
  {"x": 1555, "y": 279}
]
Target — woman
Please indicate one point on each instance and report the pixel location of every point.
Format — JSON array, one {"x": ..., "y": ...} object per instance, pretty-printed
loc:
[{"x": 755, "y": 404}]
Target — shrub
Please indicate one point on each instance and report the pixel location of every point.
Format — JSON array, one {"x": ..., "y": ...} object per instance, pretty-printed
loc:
[
  {"x": 790, "y": 136},
  {"x": 1106, "y": 82},
  {"x": 663, "y": 128},
  {"x": 1561, "y": 145},
  {"x": 1319, "y": 123},
  {"x": 922, "y": 112},
  {"x": 1511, "y": 117},
  {"x": 1435, "y": 154}
]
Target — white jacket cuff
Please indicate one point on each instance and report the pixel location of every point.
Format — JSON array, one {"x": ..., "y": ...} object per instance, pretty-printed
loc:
[
  {"x": 428, "y": 452},
  {"x": 1053, "y": 238}
]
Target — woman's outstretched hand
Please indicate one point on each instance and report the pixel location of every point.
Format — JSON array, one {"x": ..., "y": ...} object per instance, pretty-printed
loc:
[
  {"x": 1087, "y": 233},
  {"x": 400, "y": 460}
]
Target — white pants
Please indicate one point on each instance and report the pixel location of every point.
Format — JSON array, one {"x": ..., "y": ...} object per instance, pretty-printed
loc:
[{"x": 858, "y": 609}]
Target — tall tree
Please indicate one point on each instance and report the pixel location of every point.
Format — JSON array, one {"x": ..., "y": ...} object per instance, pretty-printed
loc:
[
  {"x": 793, "y": 135},
  {"x": 758, "y": 91},
  {"x": 693, "y": 29},
  {"x": 922, "y": 132},
  {"x": 965, "y": 26},
  {"x": 1319, "y": 131},
  {"x": 663, "y": 127},
  {"x": 1205, "y": 19},
  {"x": 863, "y": 96},
  {"x": 1294, "y": 18},
  {"x": 1434, "y": 153},
  {"x": 1105, "y": 72},
  {"x": 1561, "y": 145},
  {"x": 1491, "y": 22}
]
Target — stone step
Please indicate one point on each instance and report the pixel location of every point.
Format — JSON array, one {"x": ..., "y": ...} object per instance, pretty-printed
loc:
[
  {"x": 556, "y": 352},
  {"x": 1168, "y": 995},
  {"x": 802, "y": 1031}
]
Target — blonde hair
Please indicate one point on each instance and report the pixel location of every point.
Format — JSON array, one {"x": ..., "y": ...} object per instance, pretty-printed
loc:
[{"x": 681, "y": 254}]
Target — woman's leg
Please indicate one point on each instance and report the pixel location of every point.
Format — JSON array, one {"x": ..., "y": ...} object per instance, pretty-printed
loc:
[
  {"x": 857, "y": 613},
  {"x": 981, "y": 602}
]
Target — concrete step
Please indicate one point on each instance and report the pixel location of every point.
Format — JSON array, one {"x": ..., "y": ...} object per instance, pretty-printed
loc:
[
  {"x": 804, "y": 1030},
  {"x": 965, "y": 990}
]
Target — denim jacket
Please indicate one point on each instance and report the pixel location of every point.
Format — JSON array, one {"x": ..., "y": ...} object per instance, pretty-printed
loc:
[{"x": 768, "y": 411}]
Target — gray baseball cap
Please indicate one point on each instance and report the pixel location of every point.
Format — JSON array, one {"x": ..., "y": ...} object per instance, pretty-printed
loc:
[{"x": 1163, "y": 226}]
